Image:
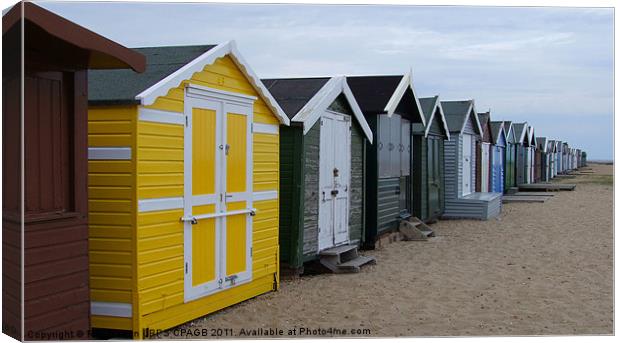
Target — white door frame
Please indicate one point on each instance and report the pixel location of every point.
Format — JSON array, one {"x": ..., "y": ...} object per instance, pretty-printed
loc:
[
  {"x": 327, "y": 235},
  {"x": 223, "y": 103}
]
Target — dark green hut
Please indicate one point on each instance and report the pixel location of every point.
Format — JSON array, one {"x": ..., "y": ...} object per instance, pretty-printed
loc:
[
  {"x": 390, "y": 106},
  {"x": 321, "y": 166},
  {"x": 428, "y": 168}
]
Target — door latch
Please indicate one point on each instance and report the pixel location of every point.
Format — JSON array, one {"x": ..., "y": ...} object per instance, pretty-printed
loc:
[
  {"x": 335, "y": 192},
  {"x": 194, "y": 221},
  {"x": 227, "y": 148},
  {"x": 336, "y": 172},
  {"x": 231, "y": 279}
]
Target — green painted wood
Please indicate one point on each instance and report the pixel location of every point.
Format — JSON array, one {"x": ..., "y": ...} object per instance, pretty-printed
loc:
[
  {"x": 420, "y": 203},
  {"x": 291, "y": 201},
  {"x": 311, "y": 148},
  {"x": 357, "y": 183},
  {"x": 371, "y": 175}
]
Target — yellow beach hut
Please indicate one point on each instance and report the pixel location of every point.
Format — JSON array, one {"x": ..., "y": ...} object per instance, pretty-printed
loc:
[{"x": 183, "y": 188}]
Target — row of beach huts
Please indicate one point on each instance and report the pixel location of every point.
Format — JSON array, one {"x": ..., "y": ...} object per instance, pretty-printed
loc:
[{"x": 166, "y": 183}]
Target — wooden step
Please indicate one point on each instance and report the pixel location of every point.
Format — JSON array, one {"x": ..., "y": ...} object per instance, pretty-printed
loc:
[
  {"x": 521, "y": 198},
  {"x": 548, "y": 194},
  {"x": 339, "y": 250},
  {"x": 354, "y": 265}
]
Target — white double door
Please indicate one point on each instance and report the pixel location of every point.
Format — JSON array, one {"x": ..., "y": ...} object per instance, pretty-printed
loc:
[
  {"x": 217, "y": 192},
  {"x": 334, "y": 179}
]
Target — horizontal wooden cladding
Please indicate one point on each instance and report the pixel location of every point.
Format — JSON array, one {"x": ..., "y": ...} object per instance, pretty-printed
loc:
[
  {"x": 74, "y": 316},
  {"x": 160, "y": 160},
  {"x": 105, "y": 322},
  {"x": 160, "y": 254},
  {"x": 266, "y": 159}
]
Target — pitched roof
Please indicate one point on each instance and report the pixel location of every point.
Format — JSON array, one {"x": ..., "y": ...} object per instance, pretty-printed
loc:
[
  {"x": 430, "y": 106},
  {"x": 484, "y": 118},
  {"x": 497, "y": 129},
  {"x": 172, "y": 65},
  {"x": 101, "y": 52},
  {"x": 520, "y": 132},
  {"x": 293, "y": 94},
  {"x": 457, "y": 112},
  {"x": 304, "y": 100},
  {"x": 541, "y": 143},
  {"x": 120, "y": 86},
  {"x": 373, "y": 92}
]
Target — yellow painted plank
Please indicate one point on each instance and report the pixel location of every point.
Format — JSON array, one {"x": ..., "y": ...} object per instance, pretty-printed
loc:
[
  {"x": 112, "y": 205},
  {"x": 147, "y": 167},
  {"x": 160, "y": 192},
  {"x": 115, "y": 127},
  {"x": 101, "y": 218},
  {"x": 109, "y": 192},
  {"x": 160, "y": 129},
  {"x": 114, "y": 167},
  {"x": 109, "y": 179},
  {"x": 160, "y": 254},
  {"x": 145, "y": 140},
  {"x": 104, "y": 113},
  {"x": 148, "y": 269},
  {"x": 236, "y": 159},
  {"x": 203, "y": 249},
  {"x": 160, "y": 217},
  {"x": 153, "y": 230},
  {"x": 109, "y": 231},
  {"x": 160, "y": 154},
  {"x": 109, "y": 140},
  {"x": 160, "y": 279},
  {"x": 157, "y": 299},
  {"x": 109, "y": 244},
  {"x": 236, "y": 239},
  {"x": 118, "y": 270},
  {"x": 106, "y": 282},
  {"x": 118, "y": 257},
  {"x": 158, "y": 242},
  {"x": 121, "y": 296},
  {"x": 203, "y": 151},
  {"x": 105, "y": 322},
  {"x": 163, "y": 179}
]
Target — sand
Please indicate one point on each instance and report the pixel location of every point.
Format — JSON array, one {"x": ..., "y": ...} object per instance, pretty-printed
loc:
[{"x": 539, "y": 269}]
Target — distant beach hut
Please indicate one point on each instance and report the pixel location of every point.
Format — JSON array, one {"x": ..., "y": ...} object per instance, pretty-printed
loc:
[
  {"x": 390, "y": 106},
  {"x": 542, "y": 156},
  {"x": 565, "y": 159},
  {"x": 551, "y": 161},
  {"x": 483, "y": 154},
  {"x": 559, "y": 145},
  {"x": 510, "y": 172},
  {"x": 322, "y": 164},
  {"x": 428, "y": 167},
  {"x": 523, "y": 159},
  {"x": 460, "y": 165},
  {"x": 498, "y": 156},
  {"x": 534, "y": 161},
  {"x": 584, "y": 158}
]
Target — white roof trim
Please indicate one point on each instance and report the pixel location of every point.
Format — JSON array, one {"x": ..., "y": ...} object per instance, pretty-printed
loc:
[
  {"x": 314, "y": 108},
  {"x": 507, "y": 132},
  {"x": 405, "y": 82},
  {"x": 522, "y": 135},
  {"x": 470, "y": 110},
  {"x": 443, "y": 118},
  {"x": 148, "y": 96}
]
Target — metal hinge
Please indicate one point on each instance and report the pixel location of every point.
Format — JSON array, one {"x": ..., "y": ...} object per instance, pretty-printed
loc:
[
  {"x": 251, "y": 251},
  {"x": 185, "y": 267},
  {"x": 252, "y": 127},
  {"x": 186, "y": 121}
]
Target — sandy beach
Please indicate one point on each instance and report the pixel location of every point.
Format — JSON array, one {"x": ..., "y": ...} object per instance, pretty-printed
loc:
[{"x": 539, "y": 269}]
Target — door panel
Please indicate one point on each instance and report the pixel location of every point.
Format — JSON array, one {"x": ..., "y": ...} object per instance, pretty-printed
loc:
[
  {"x": 204, "y": 247},
  {"x": 405, "y": 146},
  {"x": 326, "y": 182},
  {"x": 236, "y": 136},
  {"x": 236, "y": 239},
  {"x": 342, "y": 145},
  {"x": 383, "y": 146},
  {"x": 395, "y": 145},
  {"x": 203, "y": 147},
  {"x": 484, "y": 164},
  {"x": 433, "y": 177}
]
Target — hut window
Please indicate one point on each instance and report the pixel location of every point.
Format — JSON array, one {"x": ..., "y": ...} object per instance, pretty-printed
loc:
[{"x": 48, "y": 141}]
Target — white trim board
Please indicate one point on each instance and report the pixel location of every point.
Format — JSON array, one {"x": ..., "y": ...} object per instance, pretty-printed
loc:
[
  {"x": 148, "y": 96},
  {"x": 159, "y": 204},
  {"x": 158, "y": 116},
  {"x": 268, "y": 129},
  {"x": 316, "y": 106},
  {"x": 111, "y": 309},
  {"x": 443, "y": 118},
  {"x": 109, "y": 153},
  {"x": 265, "y": 195},
  {"x": 405, "y": 82}
]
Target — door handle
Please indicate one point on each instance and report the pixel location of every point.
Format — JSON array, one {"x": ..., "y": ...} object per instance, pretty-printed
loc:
[{"x": 335, "y": 192}]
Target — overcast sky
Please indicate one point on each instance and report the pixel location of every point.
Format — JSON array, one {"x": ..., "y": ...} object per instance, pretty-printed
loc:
[{"x": 551, "y": 67}]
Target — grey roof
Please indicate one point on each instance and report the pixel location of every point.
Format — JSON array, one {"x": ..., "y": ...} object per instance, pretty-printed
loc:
[
  {"x": 121, "y": 86},
  {"x": 541, "y": 143},
  {"x": 293, "y": 94},
  {"x": 519, "y": 127},
  {"x": 455, "y": 112},
  {"x": 496, "y": 127},
  {"x": 427, "y": 105}
]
